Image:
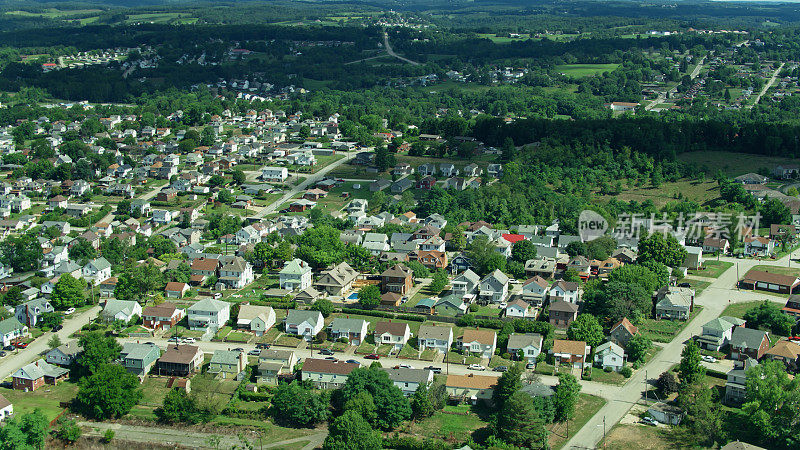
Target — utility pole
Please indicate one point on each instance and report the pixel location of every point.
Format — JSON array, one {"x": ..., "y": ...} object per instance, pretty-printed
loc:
[
  {"x": 645, "y": 389},
  {"x": 737, "y": 275}
]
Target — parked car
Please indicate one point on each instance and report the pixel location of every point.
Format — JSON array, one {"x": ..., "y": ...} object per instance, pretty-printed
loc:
[
  {"x": 175, "y": 339},
  {"x": 353, "y": 361},
  {"x": 254, "y": 352},
  {"x": 69, "y": 311},
  {"x": 530, "y": 365},
  {"x": 501, "y": 369},
  {"x": 326, "y": 351},
  {"x": 262, "y": 345},
  {"x": 476, "y": 367},
  {"x": 331, "y": 358},
  {"x": 372, "y": 356},
  {"x": 709, "y": 359},
  {"x": 2, "y": 353},
  {"x": 238, "y": 349},
  {"x": 217, "y": 295},
  {"x": 684, "y": 285},
  {"x": 434, "y": 369},
  {"x": 150, "y": 343},
  {"x": 57, "y": 328},
  {"x": 406, "y": 366},
  {"x": 189, "y": 340},
  {"x": 649, "y": 421},
  {"x": 9, "y": 348},
  {"x": 21, "y": 345}
]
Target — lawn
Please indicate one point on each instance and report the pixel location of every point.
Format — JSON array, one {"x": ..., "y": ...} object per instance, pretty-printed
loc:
[
  {"x": 46, "y": 398},
  {"x": 793, "y": 271},
  {"x": 700, "y": 192},
  {"x": 697, "y": 285},
  {"x": 500, "y": 361},
  {"x": 269, "y": 336},
  {"x": 601, "y": 376},
  {"x": 665, "y": 330},
  {"x": 287, "y": 341},
  {"x": 586, "y": 407},
  {"x": 712, "y": 269},
  {"x": 738, "y": 309},
  {"x": 239, "y": 336},
  {"x": 638, "y": 437},
  {"x": 408, "y": 352},
  {"x": 489, "y": 311},
  {"x": 585, "y": 70},
  {"x": 453, "y": 425}
]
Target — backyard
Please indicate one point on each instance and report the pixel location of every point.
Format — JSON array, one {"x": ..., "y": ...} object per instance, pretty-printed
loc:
[
  {"x": 665, "y": 330},
  {"x": 46, "y": 398}
]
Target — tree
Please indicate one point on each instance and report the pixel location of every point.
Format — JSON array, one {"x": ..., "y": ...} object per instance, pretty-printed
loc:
[
  {"x": 421, "y": 405},
  {"x": 689, "y": 370},
  {"x": 439, "y": 282},
  {"x": 773, "y": 211},
  {"x": 69, "y": 432},
  {"x": 769, "y": 315},
  {"x": 391, "y": 405},
  {"x": 571, "y": 276},
  {"x": 586, "y": 328},
  {"x": 523, "y": 251},
  {"x": 369, "y": 296},
  {"x": 294, "y": 404},
  {"x": 667, "y": 383},
  {"x": 519, "y": 423},
  {"x": 324, "y": 306},
  {"x": 216, "y": 181},
  {"x": 69, "y": 292},
  {"x": 419, "y": 270},
  {"x": 52, "y": 319},
  {"x": 225, "y": 196},
  {"x": 98, "y": 350},
  {"x": 637, "y": 348},
  {"x": 25, "y": 431},
  {"x": 772, "y": 405},
  {"x": 483, "y": 255},
  {"x": 110, "y": 392},
  {"x": 82, "y": 250},
  {"x": 666, "y": 250},
  {"x": 507, "y": 385},
  {"x": 576, "y": 248},
  {"x": 22, "y": 253},
  {"x": 350, "y": 431},
  {"x": 704, "y": 417},
  {"x": 177, "y": 407},
  {"x": 565, "y": 396},
  {"x": 238, "y": 177},
  {"x": 54, "y": 342}
]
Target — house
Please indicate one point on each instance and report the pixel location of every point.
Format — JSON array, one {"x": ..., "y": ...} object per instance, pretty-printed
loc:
[
  {"x": 748, "y": 343},
  {"x": 694, "y": 258},
  {"x": 11, "y": 330},
  {"x": 717, "y": 333},
  {"x": 63, "y": 355},
  {"x": 768, "y": 281},
  {"x": 162, "y": 317},
  {"x": 337, "y": 281},
  {"x": 6, "y": 409},
  {"x": 465, "y": 283},
  {"x": 674, "y": 303},
  {"x": 36, "y": 374},
  {"x": 257, "y": 319},
  {"x": 180, "y": 360},
  {"x": 435, "y": 337},
  {"x": 274, "y": 174},
  {"x": 30, "y": 312},
  {"x": 524, "y": 346},
  {"x": 176, "y": 289},
  {"x": 534, "y": 290},
  {"x": 792, "y": 308},
  {"x": 325, "y": 373},
  {"x": 354, "y": 330},
  {"x": 108, "y": 286},
  {"x": 786, "y": 171},
  {"x": 304, "y": 323},
  {"x": 540, "y": 267},
  {"x": 451, "y": 306},
  {"x": 622, "y": 332},
  {"x": 391, "y": 299},
  {"x": 295, "y": 275},
  {"x": 778, "y": 232},
  {"x": 395, "y": 334},
  {"x": 757, "y": 246},
  {"x": 236, "y": 274},
  {"x": 162, "y": 216},
  {"x": 610, "y": 355},
  {"x": 272, "y": 364},
  {"x": 470, "y": 388},
  {"x": 494, "y": 287},
  {"x": 139, "y": 359},
  {"x": 409, "y": 380},
  {"x": 563, "y": 313},
  {"x": 521, "y": 309},
  {"x": 204, "y": 267},
  {"x": 716, "y": 245},
  {"x": 570, "y": 352},
  {"x": 227, "y": 363},
  {"x": 565, "y": 291},
  {"x": 666, "y": 413},
  {"x": 123, "y": 310},
  {"x": 479, "y": 342},
  {"x": 399, "y": 279},
  {"x": 735, "y": 384},
  {"x": 786, "y": 351},
  {"x": 432, "y": 259},
  {"x": 460, "y": 263},
  {"x": 308, "y": 295},
  {"x": 209, "y": 313}
]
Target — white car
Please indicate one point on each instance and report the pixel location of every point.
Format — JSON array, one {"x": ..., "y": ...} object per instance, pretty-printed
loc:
[
  {"x": 188, "y": 340},
  {"x": 476, "y": 367},
  {"x": 69, "y": 311},
  {"x": 406, "y": 366},
  {"x": 649, "y": 421},
  {"x": 709, "y": 359}
]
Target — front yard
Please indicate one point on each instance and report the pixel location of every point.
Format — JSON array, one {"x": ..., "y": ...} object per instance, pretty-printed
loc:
[
  {"x": 586, "y": 407},
  {"x": 665, "y": 330},
  {"x": 712, "y": 269}
]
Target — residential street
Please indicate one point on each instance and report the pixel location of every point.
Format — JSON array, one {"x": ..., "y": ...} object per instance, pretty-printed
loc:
[
  {"x": 714, "y": 300},
  {"x": 768, "y": 85},
  {"x": 37, "y": 348}
]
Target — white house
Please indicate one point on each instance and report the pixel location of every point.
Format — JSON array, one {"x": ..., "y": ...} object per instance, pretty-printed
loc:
[
  {"x": 520, "y": 308},
  {"x": 465, "y": 283},
  {"x": 304, "y": 323},
  {"x": 274, "y": 174},
  {"x": 11, "y": 329},
  {"x": 96, "y": 271},
  {"x": 566, "y": 291},
  {"x": 123, "y": 310},
  {"x": 530, "y": 344},
  {"x": 354, "y": 330},
  {"x": 609, "y": 355},
  {"x": 435, "y": 337},
  {"x": 392, "y": 333},
  {"x": 480, "y": 342},
  {"x": 494, "y": 287},
  {"x": 6, "y": 408},
  {"x": 236, "y": 274},
  {"x": 534, "y": 290},
  {"x": 257, "y": 319},
  {"x": 409, "y": 380},
  {"x": 209, "y": 313},
  {"x": 295, "y": 275}
]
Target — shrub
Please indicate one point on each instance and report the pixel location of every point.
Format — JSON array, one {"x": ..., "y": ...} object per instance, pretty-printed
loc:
[
  {"x": 607, "y": 369},
  {"x": 506, "y": 355},
  {"x": 108, "y": 436},
  {"x": 626, "y": 372}
]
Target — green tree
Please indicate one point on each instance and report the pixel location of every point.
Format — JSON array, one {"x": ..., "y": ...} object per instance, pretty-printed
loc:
[
  {"x": 704, "y": 417},
  {"x": 519, "y": 423},
  {"x": 25, "y": 431},
  {"x": 637, "y": 348},
  {"x": 69, "y": 292},
  {"x": 110, "y": 392},
  {"x": 576, "y": 248},
  {"x": 324, "y": 306},
  {"x": 23, "y": 253},
  {"x": 52, "y": 319},
  {"x": 69, "y": 432},
  {"x": 54, "y": 341},
  {"x": 369, "y": 296},
  {"x": 82, "y": 250},
  {"x": 769, "y": 315},
  {"x": 391, "y": 405},
  {"x": 507, "y": 385},
  {"x": 565, "y": 396},
  {"x": 523, "y": 250},
  {"x": 666, "y": 250},
  {"x": 421, "y": 405},
  {"x": 571, "y": 276},
  {"x": 98, "y": 350},
  {"x": 350, "y": 431},
  {"x": 484, "y": 256},
  {"x": 586, "y": 328},
  {"x": 177, "y": 407},
  {"x": 439, "y": 282},
  {"x": 773, "y": 211},
  {"x": 689, "y": 370},
  {"x": 296, "y": 405},
  {"x": 238, "y": 177},
  {"x": 772, "y": 405},
  {"x": 363, "y": 404}
]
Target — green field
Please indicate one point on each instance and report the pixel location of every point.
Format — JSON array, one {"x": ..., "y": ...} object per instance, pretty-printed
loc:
[
  {"x": 46, "y": 398},
  {"x": 585, "y": 70},
  {"x": 712, "y": 269},
  {"x": 732, "y": 164}
]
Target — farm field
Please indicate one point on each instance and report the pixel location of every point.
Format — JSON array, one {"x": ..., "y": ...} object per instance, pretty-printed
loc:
[{"x": 585, "y": 70}]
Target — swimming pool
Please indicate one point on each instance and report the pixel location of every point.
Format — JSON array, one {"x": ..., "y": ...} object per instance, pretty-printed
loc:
[{"x": 353, "y": 296}]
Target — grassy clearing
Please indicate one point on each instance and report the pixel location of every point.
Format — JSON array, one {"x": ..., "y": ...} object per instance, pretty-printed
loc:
[
  {"x": 637, "y": 437},
  {"x": 46, "y": 398},
  {"x": 601, "y": 376},
  {"x": 738, "y": 309},
  {"x": 665, "y": 330},
  {"x": 700, "y": 192},
  {"x": 586, "y": 407},
  {"x": 793, "y": 271},
  {"x": 732, "y": 164},
  {"x": 453, "y": 424},
  {"x": 585, "y": 70},
  {"x": 712, "y": 269}
]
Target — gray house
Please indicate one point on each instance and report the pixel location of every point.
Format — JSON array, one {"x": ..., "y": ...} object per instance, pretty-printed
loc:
[
  {"x": 466, "y": 283},
  {"x": 408, "y": 380},
  {"x": 494, "y": 287},
  {"x": 138, "y": 359}
]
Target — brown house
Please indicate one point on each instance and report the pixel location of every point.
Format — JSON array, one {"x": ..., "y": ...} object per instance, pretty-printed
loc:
[
  {"x": 180, "y": 360},
  {"x": 786, "y": 351},
  {"x": 431, "y": 259},
  {"x": 563, "y": 313},
  {"x": 391, "y": 299},
  {"x": 570, "y": 352},
  {"x": 623, "y": 331},
  {"x": 163, "y": 316},
  {"x": 398, "y": 279},
  {"x": 37, "y": 374}
]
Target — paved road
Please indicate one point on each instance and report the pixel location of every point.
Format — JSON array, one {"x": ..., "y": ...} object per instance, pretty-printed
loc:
[
  {"x": 768, "y": 85},
  {"x": 37, "y": 348},
  {"x": 662, "y": 97},
  {"x": 714, "y": 299},
  {"x": 313, "y": 178},
  {"x": 391, "y": 52}
]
